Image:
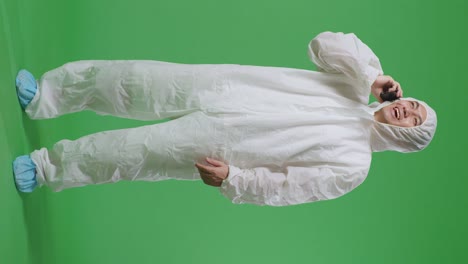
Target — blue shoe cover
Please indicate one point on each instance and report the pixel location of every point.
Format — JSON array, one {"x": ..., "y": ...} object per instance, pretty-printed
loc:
[
  {"x": 26, "y": 87},
  {"x": 25, "y": 173}
]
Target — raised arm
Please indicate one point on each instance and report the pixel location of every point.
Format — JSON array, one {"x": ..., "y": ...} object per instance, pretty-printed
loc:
[{"x": 347, "y": 54}]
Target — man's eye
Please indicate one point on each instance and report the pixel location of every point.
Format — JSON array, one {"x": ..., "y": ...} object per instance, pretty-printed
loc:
[
  {"x": 413, "y": 104},
  {"x": 415, "y": 122}
]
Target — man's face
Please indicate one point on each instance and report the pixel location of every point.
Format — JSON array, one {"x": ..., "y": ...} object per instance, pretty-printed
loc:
[{"x": 402, "y": 113}]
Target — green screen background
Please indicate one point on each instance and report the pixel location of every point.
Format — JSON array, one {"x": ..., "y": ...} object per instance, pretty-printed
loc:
[{"x": 411, "y": 209}]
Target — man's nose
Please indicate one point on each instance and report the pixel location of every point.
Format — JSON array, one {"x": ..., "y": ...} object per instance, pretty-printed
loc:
[{"x": 408, "y": 111}]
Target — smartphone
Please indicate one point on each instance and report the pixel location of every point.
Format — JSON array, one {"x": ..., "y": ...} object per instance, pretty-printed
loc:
[{"x": 386, "y": 95}]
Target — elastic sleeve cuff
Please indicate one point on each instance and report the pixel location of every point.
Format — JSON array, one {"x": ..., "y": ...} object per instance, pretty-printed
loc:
[
  {"x": 228, "y": 187},
  {"x": 233, "y": 172},
  {"x": 372, "y": 74}
]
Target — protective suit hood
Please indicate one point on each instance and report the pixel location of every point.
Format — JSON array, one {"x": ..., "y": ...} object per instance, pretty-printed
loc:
[{"x": 403, "y": 139}]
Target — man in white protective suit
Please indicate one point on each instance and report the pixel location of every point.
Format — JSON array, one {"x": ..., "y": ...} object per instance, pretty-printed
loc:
[{"x": 263, "y": 135}]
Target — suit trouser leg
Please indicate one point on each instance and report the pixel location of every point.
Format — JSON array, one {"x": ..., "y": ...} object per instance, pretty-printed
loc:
[
  {"x": 149, "y": 153},
  {"x": 143, "y": 90}
]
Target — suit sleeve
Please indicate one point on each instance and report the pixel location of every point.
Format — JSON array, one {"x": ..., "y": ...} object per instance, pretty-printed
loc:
[
  {"x": 294, "y": 185},
  {"x": 347, "y": 54}
]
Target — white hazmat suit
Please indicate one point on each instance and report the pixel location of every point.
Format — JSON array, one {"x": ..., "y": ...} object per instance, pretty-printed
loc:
[{"x": 290, "y": 136}]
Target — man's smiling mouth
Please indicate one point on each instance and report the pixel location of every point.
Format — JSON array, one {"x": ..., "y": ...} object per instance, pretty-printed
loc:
[{"x": 396, "y": 111}]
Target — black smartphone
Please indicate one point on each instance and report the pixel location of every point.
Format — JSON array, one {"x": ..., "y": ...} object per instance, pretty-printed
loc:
[{"x": 388, "y": 96}]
